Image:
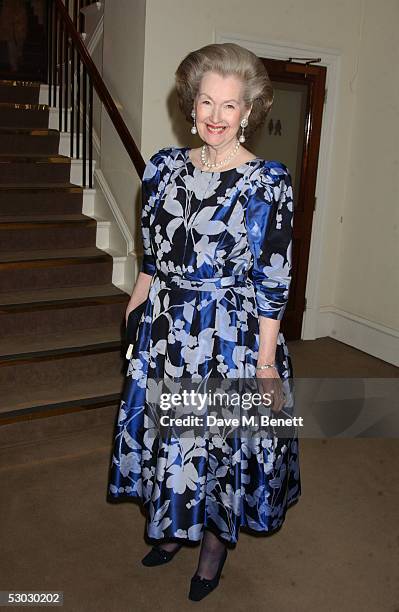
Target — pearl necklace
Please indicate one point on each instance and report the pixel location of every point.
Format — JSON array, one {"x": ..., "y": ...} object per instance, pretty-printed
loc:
[{"x": 222, "y": 163}]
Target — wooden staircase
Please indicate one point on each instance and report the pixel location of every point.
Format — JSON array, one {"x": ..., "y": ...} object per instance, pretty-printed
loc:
[{"x": 62, "y": 319}]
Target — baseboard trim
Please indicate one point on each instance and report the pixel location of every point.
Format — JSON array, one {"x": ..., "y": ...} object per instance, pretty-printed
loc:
[
  {"x": 368, "y": 336},
  {"x": 114, "y": 208}
]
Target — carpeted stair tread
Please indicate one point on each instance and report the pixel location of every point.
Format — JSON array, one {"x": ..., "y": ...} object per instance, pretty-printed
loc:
[
  {"x": 55, "y": 199},
  {"x": 29, "y": 140},
  {"x": 19, "y": 83},
  {"x": 108, "y": 387},
  {"x": 31, "y": 166},
  {"x": 47, "y": 218},
  {"x": 22, "y": 76},
  {"x": 36, "y": 187},
  {"x": 80, "y": 419},
  {"x": 24, "y": 114},
  {"x": 25, "y": 346},
  {"x": 33, "y": 158},
  {"x": 46, "y": 254},
  {"x": 24, "y": 106},
  {"x": 59, "y": 294},
  {"x": 61, "y": 341},
  {"x": 27, "y": 130}
]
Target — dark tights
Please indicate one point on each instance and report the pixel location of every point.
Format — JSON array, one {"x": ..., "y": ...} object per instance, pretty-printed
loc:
[{"x": 212, "y": 550}]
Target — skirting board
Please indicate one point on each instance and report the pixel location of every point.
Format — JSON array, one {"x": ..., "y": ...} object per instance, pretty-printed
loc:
[{"x": 367, "y": 336}]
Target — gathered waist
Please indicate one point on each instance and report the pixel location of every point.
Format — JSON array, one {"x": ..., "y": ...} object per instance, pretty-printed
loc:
[{"x": 174, "y": 281}]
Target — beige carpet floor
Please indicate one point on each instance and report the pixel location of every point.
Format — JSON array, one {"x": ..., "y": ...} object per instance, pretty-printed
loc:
[{"x": 337, "y": 550}]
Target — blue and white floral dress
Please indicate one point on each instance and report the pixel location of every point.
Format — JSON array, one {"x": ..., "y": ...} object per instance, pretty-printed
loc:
[{"x": 218, "y": 246}]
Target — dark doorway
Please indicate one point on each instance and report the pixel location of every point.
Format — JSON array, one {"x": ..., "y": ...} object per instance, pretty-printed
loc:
[
  {"x": 291, "y": 135},
  {"x": 23, "y": 40}
]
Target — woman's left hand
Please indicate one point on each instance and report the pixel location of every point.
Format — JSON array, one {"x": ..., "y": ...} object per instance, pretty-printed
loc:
[{"x": 271, "y": 384}]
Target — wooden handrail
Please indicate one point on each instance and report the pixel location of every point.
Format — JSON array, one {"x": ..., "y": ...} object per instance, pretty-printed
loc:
[{"x": 102, "y": 91}]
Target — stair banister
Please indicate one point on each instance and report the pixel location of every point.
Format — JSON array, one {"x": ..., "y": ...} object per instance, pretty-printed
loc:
[{"x": 64, "y": 40}]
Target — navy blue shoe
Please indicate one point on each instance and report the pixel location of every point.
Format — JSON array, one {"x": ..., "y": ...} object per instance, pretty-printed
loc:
[
  {"x": 201, "y": 587},
  {"x": 159, "y": 556}
]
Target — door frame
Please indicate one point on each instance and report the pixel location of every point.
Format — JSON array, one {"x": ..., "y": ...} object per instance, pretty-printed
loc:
[{"x": 316, "y": 320}]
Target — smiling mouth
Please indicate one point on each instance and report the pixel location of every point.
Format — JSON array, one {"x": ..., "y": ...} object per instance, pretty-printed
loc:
[{"x": 215, "y": 130}]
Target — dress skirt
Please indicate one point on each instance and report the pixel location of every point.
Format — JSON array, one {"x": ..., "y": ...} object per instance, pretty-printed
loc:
[{"x": 218, "y": 247}]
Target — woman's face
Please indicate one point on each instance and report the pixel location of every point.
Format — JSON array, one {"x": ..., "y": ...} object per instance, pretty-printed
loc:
[{"x": 219, "y": 104}]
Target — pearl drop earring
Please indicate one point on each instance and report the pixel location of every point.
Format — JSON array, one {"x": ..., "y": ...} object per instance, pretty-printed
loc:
[
  {"x": 244, "y": 123},
  {"x": 194, "y": 128}
]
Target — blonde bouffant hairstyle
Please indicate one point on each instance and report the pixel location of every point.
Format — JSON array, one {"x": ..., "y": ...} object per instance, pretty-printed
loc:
[{"x": 226, "y": 59}]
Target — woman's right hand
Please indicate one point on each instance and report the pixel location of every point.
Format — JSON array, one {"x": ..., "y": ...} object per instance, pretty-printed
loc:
[
  {"x": 272, "y": 387},
  {"x": 140, "y": 293},
  {"x": 128, "y": 311}
]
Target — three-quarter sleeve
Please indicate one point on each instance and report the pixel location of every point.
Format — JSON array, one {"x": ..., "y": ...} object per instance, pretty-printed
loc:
[
  {"x": 269, "y": 221},
  {"x": 149, "y": 189}
]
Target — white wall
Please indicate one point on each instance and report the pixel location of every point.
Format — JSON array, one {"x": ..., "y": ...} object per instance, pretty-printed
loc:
[
  {"x": 360, "y": 251},
  {"x": 367, "y": 279},
  {"x": 359, "y": 255},
  {"x": 123, "y": 70}
]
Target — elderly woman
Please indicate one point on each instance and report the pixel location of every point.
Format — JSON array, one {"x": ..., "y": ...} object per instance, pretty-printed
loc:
[{"x": 217, "y": 235}]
